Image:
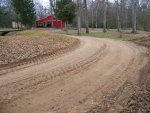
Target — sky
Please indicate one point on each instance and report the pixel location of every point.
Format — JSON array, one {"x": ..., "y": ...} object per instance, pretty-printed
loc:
[{"x": 46, "y": 2}]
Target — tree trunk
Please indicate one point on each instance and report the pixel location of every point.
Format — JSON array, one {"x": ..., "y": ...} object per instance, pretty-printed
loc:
[
  {"x": 96, "y": 15},
  {"x": 56, "y": 23},
  {"x": 57, "y": 18},
  {"x": 104, "y": 16},
  {"x": 119, "y": 13},
  {"x": 79, "y": 25},
  {"x": 122, "y": 5},
  {"x": 120, "y": 33},
  {"x": 96, "y": 19},
  {"x": 118, "y": 17},
  {"x": 17, "y": 21},
  {"x": 86, "y": 17},
  {"x": 134, "y": 27},
  {"x": 92, "y": 16},
  {"x": 126, "y": 19},
  {"x": 78, "y": 18},
  {"x": 66, "y": 27}
]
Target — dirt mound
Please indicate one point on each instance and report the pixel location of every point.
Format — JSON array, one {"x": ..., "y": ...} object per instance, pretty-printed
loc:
[{"x": 18, "y": 49}]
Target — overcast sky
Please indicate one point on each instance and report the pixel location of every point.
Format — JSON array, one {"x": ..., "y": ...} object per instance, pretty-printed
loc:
[{"x": 46, "y": 2}]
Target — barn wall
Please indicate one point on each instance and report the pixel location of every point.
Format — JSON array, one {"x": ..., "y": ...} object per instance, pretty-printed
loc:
[{"x": 61, "y": 24}]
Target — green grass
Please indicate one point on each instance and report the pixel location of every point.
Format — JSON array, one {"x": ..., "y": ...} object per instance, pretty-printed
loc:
[
  {"x": 39, "y": 33},
  {"x": 30, "y": 33},
  {"x": 27, "y": 33},
  {"x": 35, "y": 35},
  {"x": 98, "y": 33},
  {"x": 112, "y": 34}
]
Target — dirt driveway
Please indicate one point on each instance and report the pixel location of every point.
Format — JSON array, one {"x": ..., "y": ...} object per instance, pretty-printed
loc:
[{"x": 99, "y": 73}]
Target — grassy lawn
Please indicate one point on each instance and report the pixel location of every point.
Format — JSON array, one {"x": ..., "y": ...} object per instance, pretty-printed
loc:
[
  {"x": 111, "y": 34},
  {"x": 36, "y": 34},
  {"x": 98, "y": 33},
  {"x": 39, "y": 34}
]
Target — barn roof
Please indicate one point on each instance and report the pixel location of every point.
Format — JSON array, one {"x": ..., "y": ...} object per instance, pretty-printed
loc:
[{"x": 49, "y": 18}]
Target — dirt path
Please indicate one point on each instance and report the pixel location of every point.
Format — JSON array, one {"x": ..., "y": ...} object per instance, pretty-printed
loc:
[{"x": 75, "y": 82}]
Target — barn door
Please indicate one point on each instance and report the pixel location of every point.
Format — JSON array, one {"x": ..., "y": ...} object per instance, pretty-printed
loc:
[{"x": 49, "y": 24}]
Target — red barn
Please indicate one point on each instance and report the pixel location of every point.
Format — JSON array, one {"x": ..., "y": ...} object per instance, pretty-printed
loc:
[{"x": 50, "y": 22}]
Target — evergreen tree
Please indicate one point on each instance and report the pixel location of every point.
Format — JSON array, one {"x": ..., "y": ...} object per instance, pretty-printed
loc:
[
  {"x": 65, "y": 11},
  {"x": 25, "y": 9}
]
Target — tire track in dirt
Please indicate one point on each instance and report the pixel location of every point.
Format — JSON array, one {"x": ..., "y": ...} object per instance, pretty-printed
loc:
[
  {"x": 31, "y": 83},
  {"x": 75, "y": 82},
  {"x": 39, "y": 81}
]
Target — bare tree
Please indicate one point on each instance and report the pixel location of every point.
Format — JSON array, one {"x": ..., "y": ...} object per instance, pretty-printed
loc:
[
  {"x": 52, "y": 5},
  {"x": 118, "y": 16},
  {"x": 79, "y": 17},
  {"x": 134, "y": 8},
  {"x": 104, "y": 15},
  {"x": 92, "y": 14},
  {"x": 96, "y": 16},
  {"x": 119, "y": 28},
  {"x": 41, "y": 11},
  {"x": 86, "y": 17}
]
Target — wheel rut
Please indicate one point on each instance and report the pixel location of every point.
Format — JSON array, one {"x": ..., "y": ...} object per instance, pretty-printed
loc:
[{"x": 76, "y": 82}]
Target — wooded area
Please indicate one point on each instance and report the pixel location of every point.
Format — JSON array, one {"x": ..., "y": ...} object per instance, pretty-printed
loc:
[{"x": 106, "y": 14}]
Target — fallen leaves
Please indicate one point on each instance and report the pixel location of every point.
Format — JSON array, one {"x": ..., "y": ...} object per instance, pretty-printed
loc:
[{"x": 19, "y": 47}]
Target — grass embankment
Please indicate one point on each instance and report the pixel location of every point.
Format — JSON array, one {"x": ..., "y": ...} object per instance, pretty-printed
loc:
[
  {"x": 112, "y": 34},
  {"x": 29, "y": 44}
]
